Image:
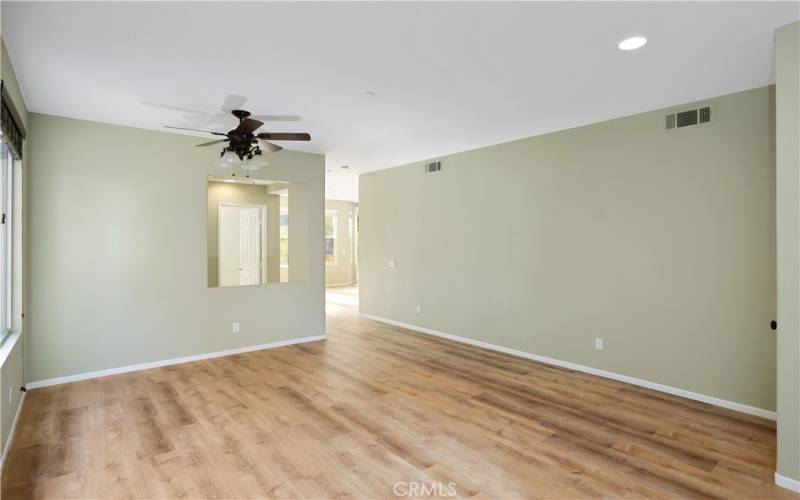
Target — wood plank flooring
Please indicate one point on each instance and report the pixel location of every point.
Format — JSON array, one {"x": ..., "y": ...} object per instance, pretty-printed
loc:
[{"x": 371, "y": 407}]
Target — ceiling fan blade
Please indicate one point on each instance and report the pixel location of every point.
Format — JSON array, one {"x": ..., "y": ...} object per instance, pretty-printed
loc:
[
  {"x": 272, "y": 148},
  {"x": 174, "y": 108},
  {"x": 285, "y": 136},
  {"x": 248, "y": 126},
  {"x": 276, "y": 118},
  {"x": 211, "y": 143},
  {"x": 232, "y": 102},
  {"x": 196, "y": 130}
]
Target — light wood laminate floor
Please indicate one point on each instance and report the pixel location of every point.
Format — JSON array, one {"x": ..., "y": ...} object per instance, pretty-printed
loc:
[{"x": 371, "y": 407}]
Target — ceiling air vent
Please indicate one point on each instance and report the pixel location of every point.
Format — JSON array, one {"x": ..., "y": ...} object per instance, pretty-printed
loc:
[
  {"x": 688, "y": 118},
  {"x": 433, "y": 167}
]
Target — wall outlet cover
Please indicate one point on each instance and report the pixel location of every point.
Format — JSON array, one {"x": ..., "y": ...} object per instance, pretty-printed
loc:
[
  {"x": 236, "y": 328},
  {"x": 598, "y": 344}
]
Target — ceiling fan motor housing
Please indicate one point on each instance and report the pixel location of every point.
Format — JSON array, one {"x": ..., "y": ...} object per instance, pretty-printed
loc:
[{"x": 240, "y": 113}]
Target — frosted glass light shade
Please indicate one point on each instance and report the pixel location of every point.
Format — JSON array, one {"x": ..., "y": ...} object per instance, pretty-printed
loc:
[
  {"x": 255, "y": 163},
  {"x": 228, "y": 160}
]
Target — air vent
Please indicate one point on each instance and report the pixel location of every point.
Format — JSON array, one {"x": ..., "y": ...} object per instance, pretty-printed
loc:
[
  {"x": 433, "y": 167},
  {"x": 688, "y": 118},
  {"x": 705, "y": 115}
]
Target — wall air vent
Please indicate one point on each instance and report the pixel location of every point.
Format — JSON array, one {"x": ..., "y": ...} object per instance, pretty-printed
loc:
[
  {"x": 432, "y": 167},
  {"x": 688, "y": 118},
  {"x": 705, "y": 115}
]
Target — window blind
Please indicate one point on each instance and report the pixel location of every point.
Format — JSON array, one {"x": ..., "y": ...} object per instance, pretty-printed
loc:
[{"x": 10, "y": 124}]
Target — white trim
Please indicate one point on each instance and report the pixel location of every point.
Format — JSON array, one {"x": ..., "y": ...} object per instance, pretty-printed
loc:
[
  {"x": 10, "y": 437},
  {"x": 167, "y": 362},
  {"x": 787, "y": 482},
  {"x": 731, "y": 405}
]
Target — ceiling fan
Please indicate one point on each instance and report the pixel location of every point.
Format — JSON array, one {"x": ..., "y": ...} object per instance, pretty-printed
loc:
[{"x": 244, "y": 144}]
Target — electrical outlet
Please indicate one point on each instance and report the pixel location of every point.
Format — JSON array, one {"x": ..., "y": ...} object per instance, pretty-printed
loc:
[
  {"x": 598, "y": 344},
  {"x": 419, "y": 309},
  {"x": 236, "y": 328},
  {"x": 391, "y": 263}
]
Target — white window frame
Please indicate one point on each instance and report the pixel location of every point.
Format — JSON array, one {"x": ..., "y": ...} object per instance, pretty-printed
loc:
[
  {"x": 335, "y": 214},
  {"x": 7, "y": 241}
]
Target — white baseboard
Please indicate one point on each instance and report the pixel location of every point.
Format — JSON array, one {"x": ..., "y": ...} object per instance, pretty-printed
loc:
[
  {"x": 11, "y": 432},
  {"x": 787, "y": 482},
  {"x": 675, "y": 391},
  {"x": 167, "y": 362}
]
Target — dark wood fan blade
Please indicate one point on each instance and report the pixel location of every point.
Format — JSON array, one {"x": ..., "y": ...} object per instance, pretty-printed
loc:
[
  {"x": 248, "y": 126},
  {"x": 285, "y": 136},
  {"x": 196, "y": 130},
  {"x": 272, "y": 148},
  {"x": 211, "y": 143}
]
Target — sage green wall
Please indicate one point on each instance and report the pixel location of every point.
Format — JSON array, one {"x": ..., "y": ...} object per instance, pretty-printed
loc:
[
  {"x": 787, "y": 105},
  {"x": 117, "y": 252},
  {"x": 223, "y": 192},
  {"x": 11, "y": 352},
  {"x": 344, "y": 270},
  {"x": 660, "y": 242}
]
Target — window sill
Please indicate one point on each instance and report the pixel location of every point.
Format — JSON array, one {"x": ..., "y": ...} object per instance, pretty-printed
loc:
[{"x": 8, "y": 345}]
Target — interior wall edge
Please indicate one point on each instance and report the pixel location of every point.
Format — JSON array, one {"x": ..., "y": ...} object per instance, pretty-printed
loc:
[
  {"x": 167, "y": 362},
  {"x": 675, "y": 391}
]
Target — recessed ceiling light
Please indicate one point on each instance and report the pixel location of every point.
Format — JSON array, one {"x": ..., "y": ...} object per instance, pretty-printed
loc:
[
  {"x": 632, "y": 43},
  {"x": 345, "y": 167},
  {"x": 369, "y": 94}
]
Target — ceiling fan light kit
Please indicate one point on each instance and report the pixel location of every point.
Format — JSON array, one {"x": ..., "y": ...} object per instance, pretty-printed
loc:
[
  {"x": 255, "y": 161},
  {"x": 244, "y": 145}
]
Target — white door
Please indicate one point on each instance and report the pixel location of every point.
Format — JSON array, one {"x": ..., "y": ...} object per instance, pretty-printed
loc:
[
  {"x": 250, "y": 246},
  {"x": 241, "y": 239}
]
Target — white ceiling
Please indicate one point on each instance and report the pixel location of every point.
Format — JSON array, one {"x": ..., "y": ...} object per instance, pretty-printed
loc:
[{"x": 447, "y": 76}]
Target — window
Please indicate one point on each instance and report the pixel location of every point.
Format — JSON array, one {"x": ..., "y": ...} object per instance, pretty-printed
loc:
[
  {"x": 6, "y": 248},
  {"x": 331, "y": 223},
  {"x": 350, "y": 235},
  {"x": 283, "y": 225}
]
